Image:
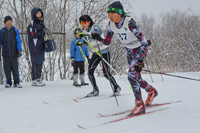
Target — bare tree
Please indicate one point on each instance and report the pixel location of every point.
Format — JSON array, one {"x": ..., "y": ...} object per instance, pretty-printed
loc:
[{"x": 176, "y": 40}]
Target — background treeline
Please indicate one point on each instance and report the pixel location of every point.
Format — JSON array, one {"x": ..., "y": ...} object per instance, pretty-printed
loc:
[{"x": 175, "y": 35}]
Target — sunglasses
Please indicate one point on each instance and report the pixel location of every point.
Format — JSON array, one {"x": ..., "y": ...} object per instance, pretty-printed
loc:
[{"x": 83, "y": 22}]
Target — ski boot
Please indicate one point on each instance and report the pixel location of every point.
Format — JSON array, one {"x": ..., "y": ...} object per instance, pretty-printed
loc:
[
  {"x": 139, "y": 108},
  {"x": 94, "y": 93},
  {"x": 151, "y": 95},
  {"x": 117, "y": 91}
]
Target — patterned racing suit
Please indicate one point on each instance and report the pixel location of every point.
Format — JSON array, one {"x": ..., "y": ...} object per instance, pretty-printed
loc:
[{"x": 133, "y": 55}]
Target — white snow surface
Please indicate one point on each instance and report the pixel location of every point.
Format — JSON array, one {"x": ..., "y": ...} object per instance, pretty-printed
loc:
[{"x": 22, "y": 110}]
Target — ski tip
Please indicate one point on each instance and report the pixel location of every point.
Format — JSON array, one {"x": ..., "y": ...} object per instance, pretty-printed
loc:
[
  {"x": 80, "y": 127},
  {"x": 103, "y": 115}
]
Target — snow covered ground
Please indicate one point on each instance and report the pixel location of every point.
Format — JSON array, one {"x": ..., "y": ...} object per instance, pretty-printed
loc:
[{"x": 22, "y": 110}]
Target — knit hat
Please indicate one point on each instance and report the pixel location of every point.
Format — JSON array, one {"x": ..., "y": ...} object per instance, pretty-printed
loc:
[
  {"x": 116, "y": 7},
  {"x": 77, "y": 30},
  {"x": 7, "y": 18}
]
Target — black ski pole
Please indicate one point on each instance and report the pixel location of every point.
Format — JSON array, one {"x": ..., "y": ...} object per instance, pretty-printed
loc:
[
  {"x": 149, "y": 70},
  {"x": 107, "y": 73},
  {"x": 149, "y": 43},
  {"x": 104, "y": 59},
  {"x": 172, "y": 75}
]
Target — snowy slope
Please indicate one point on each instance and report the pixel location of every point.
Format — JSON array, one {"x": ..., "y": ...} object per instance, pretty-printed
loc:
[{"x": 24, "y": 111}]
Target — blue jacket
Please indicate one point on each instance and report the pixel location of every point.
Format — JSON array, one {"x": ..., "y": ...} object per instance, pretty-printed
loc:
[
  {"x": 11, "y": 42},
  {"x": 36, "y": 38},
  {"x": 75, "y": 51}
]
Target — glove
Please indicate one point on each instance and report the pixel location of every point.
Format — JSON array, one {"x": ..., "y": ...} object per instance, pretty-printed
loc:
[
  {"x": 78, "y": 43},
  {"x": 149, "y": 42},
  {"x": 73, "y": 62},
  {"x": 88, "y": 60},
  {"x": 96, "y": 36},
  {"x": 138, "y": 66},
  {"x": 80, "y": 35},
  {"x": 20, "y": 54},
  {"x": 47, "y": 31}
]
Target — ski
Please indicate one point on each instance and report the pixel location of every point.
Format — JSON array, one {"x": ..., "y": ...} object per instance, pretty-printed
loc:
[
  {"x": 149, "y": 106},
  {"x": 77, "y": 99},
  {"x": 127, "y": 117},
  {"x": 124, "y": 118}
]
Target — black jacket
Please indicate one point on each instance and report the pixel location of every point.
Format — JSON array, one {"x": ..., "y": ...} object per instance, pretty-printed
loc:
[
  {"x": 36, "y": 33},
  {"x": 10, "y": 41}
]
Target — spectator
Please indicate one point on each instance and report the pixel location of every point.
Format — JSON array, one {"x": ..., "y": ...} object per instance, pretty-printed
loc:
[{"x": 11, "y": 50}]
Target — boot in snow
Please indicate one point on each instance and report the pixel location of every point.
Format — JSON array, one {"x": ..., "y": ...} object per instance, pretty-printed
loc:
[
  {"x": 17, "y": 86},
  {"x": 37, "y": 83},
  {"x": 139, "y": 108},
  {"x": 7, "y": 85},
  {"x": 151, "y": 95},
  {"x": 76, "y": 84},
  {"x": 75, "y": 78},
  {"x": 82, "y": 80}
]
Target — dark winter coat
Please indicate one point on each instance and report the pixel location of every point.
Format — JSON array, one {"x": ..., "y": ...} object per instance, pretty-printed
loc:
[
  {"x": 75, "y": 51},
  {"x": 11, "y": 42},
  {"x": 36, "y": 38}
]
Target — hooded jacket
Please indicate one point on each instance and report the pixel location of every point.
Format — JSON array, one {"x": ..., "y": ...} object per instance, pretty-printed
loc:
[
  {"x": 36, "y": 37},
  {"x": 11, "y": 42}
]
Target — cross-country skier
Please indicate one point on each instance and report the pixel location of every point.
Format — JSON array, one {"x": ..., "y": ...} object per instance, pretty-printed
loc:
[
  {"x": 89, "y": 27},
  {"x": 128, "y": 32},
  {"x": 77, "y": 57}
]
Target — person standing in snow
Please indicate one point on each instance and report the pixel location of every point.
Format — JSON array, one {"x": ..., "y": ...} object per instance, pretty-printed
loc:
[
  {"x": 89, "y": 28},
  {"x": 11, "y": 51},
  {"x": 128, "y": 32},
  {"x": 36, "y": 44},
  {"x": 77, "y": 57}
]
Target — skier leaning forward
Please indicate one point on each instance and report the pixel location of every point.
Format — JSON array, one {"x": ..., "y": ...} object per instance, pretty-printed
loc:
[
  {"x": 89, "y": 28},
  {"x": 128, "y": 32}
]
